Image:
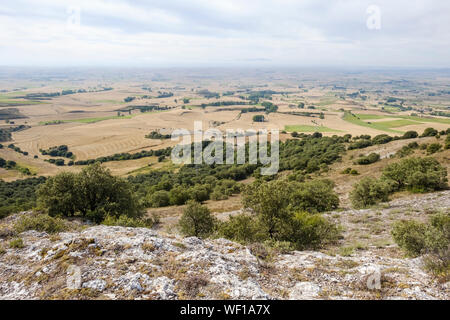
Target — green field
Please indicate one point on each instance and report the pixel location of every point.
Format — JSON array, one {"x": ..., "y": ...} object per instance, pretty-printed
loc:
[
  {"x": 423, "y": 119},
  {"x": 10, "y": 100},
  {"x": 307, "y": 128},
  {"x": 387, "y": 126},
  {"x": 395, "y": 123},
  {"x": 353, "y": 118},
  {"x": 412, "y": 118},
  {"x": 370, "y": 116}
]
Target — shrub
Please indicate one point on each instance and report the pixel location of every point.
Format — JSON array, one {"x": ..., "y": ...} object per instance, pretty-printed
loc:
[
  {"x": 382, "y": 139},
  {"x": 447, "y": 142},
  {"x": 218, "y": 194},
  {"x": 314, "y": 196},
  {"x": 199, "y": 193},
  {"x": 407, "y": 150},
  {"x": 409, "y": 235},
  {"x": 410, "y": 135},
  {"x": 40, "y": 222},
  {"x": 433, "y": 148},
  {"x": 279, "y": 207},
  {"x": 369, "y": 191},
  {"x": 429, "y": 132},
  {"x": 242, "y": 228},
  {"x": 16, "y": 243},
  {"x": 346, "y": 171},
  {"x": 371, "y": 158},
  {"x": 416, "y": 175},
  {"x": 178, "y": 195},
  {"x": 418, "y": 238},
  {"x": 159, "y": 199},
  {"x": 307, "y": 230},
  {"x": 258, "y": 118},
  {"x": 360, "y": 144},
  {"x": 197, "y": 220}
]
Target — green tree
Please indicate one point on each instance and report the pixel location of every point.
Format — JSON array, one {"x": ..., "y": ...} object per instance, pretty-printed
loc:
[
  {"x": 314, "y": 196},
  {"x": 159, "y": 199},
  {"x": 429, "y": 132},
  {"x": 416, "y": 175},
  {"x": 258, "y": 118},
  {"x": 197, "y": 220},
  {"x": 369, "y": 191},
  {"x": 59, "y": 195},
  {"x": 178, "y": 195},
  {"x": 93, "y": 193},
  {"x": 410, "y": 135},
  {"x": 270, "y": 202}
]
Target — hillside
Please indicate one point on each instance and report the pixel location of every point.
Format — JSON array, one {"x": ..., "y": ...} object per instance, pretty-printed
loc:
[{"x": 139, "y": 263}]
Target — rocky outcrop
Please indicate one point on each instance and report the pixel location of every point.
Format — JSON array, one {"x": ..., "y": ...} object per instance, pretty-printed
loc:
[{"x": 102, "y": 262}]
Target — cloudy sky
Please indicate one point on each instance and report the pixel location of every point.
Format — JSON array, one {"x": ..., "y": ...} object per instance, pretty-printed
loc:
[{"x": 165, "y": 33}]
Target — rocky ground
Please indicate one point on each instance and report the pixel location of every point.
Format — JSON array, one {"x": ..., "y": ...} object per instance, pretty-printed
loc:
[{"x": 100, "y": 262}]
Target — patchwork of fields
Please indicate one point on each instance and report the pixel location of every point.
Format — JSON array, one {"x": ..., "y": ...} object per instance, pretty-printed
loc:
[{"x": 96, "y": 120}]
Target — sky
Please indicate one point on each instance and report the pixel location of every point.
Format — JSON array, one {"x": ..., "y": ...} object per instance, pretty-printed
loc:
[{"x": 205, "y": 33}]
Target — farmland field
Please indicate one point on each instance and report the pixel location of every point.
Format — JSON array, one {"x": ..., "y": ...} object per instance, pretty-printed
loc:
[{"x": 97, "y": 119}]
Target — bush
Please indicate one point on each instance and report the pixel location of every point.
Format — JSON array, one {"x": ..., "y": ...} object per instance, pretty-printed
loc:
[
  {"x": 416, "y": 175},
  {"x": 258, "y": 118},
  {"x": 409, "y": 235},
  {"x": 92, "y": 193},
  {"x": 279, "y": 206},
  {"x": 418, "y": 238},
  {"x": 159, "y": 199},
  {"x": 447, "y": 142},
  {"x": 314, "y": 196},
  {"x": 360, "y": 144},
  {"x": 307, "y": 230},
  {"x": 178, "y": 195},
  {"x": 16, "y": 243},
  {"x": 218, "y": 194},
  {"x": 242, "y": 228},
  {"x": 382, "y": 139},
  {"x": 410, "y": 135},
  {"x": 407, "y": 150},
  {"x": 433, "y": 148},
  {"x": 197, "y": 220},
  {"x": 369, "y": 191},
  {"x": 199, "y": 193},
  {"x": 40, "y": 222},
  {"x": 429, "y": 132},
  {"x": 371, "y": 158}
]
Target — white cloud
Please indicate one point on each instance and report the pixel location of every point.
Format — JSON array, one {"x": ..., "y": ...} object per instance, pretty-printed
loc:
[{"x": 206, "y": 32}]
